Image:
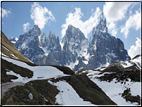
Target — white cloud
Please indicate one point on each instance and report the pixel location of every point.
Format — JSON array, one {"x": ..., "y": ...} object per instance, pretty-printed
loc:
[
  {"x": 41, "y": 15},
  {"x": 75, "y": 20},
  {"x": 134, "y": 21},
  {"x": 112, "y": 28},
  {"x": 26, "y": 26},
  {"x": 135, "y": 49},
  {"x": 115, "y": 11},
  {"x": 5, "y": 13}
]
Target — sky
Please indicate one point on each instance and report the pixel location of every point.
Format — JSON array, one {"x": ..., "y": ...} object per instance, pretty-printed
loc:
[{"x": 123, "y": 19}]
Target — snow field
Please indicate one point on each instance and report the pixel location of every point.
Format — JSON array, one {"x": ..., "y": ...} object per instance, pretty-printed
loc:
[
  {"x": 39, "y": 72},
  {"x": 67, "y": 95},
  {"x": 114, "y": 89}
]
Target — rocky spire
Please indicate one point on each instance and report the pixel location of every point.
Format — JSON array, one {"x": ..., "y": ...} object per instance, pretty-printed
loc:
[{"x": 101, "y": 27}]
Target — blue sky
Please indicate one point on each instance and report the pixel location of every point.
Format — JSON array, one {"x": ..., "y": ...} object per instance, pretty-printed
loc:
[{"x": 123, "y": 19}]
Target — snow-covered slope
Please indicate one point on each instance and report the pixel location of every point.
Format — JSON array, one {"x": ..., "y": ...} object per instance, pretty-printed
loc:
[
  {"x": 135, "y": 61},
  {"x": 120, "y": 81},
  {"x": 115, "y": 89},
  {"x": 69, "y": 94},
  {"x": 39, "y": 72}
]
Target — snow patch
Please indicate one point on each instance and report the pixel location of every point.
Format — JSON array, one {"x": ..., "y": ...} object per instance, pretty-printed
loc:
[
  {"x": 20, "y": 79},
  {"x": 30, "y": 96},
  {"x": 62, "y": 45},
  {"x": 111, "y": 55},
  {"x": 39, "y": 72},
  {"x": 72, "y": 65},
  {"x": 126, "y": 64},
  {"x": 85, "y": 62},
  {"x": 115, "y": 89},
  {"x": 67, "y": 95},
  {"x": 16, "y": 39},
  {"x": 3, "y": 54},
  {"x": 14, "y": 56},
  {"x": 137, "y": 61}
]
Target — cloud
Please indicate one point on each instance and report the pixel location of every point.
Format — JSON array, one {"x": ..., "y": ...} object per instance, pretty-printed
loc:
[
  {"x": 41, "y": 15},
  {"x": 5, "y": 13},
  {"x": 112, "y": 28},
  {"x": 135, "y": 49},
  {"x": 115, "y": 11},
  {"x": 75, "y": 20},
  {"x": 134, "y": 21},
  {"x": 26, "y": 26}
]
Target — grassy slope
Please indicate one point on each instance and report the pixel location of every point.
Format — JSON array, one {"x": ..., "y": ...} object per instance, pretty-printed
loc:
[{"x": 40, "y": 90}]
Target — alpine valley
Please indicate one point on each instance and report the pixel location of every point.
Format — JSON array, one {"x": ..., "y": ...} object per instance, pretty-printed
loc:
[{"x": 42, "y": 70}]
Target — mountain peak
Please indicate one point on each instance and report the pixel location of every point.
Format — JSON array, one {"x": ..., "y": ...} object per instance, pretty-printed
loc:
[
  {"x": 52, "y": 35},
  {"x": 72, "y": 28},
  {"x": 101, "y": 27},
  {"x": 35, "y": 31},
  {"x": 102, "y": 16},
  {"x": 36, "y": 27},
  {"x": 74, "y": 32}
]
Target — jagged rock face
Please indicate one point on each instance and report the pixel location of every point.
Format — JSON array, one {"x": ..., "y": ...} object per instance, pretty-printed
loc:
[
  {"x": 49, "y": 43},
  {"x": 101, "y": 27},
  {"x": 28, "y": 44},
  {"x": 52, "y": 50},
  {"x": 104, "y": 47},
  {"x": 74, "y": 51},
  {"x": 74, "y": 41},
  {"x": 34, "y": 45},
  {"x": 75, "y": 45}
]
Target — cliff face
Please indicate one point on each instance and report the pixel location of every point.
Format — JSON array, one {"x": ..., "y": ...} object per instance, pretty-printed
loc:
[{"x": 74, "y": 50}]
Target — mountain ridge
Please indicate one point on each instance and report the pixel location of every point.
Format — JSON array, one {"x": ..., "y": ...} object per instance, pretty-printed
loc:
[{"x": 74, "y": 50}]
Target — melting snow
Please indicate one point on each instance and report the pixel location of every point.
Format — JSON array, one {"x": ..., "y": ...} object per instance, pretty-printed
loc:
[
  {"x": 111, "y": 54},
  {"x": 137, "y": 61},
  {"x": 85, "y": 62},
  {"x": 67, "y": 95},
  {"x": 30, "y": 96},
  {"x": 2, "y": 54},
  {"x": 16, "y": 39},
  {"x": 14, "y": 56},
  {"x": 72, "y": 65},
  {"x": 114, "y": 90},
  {"x": 39, "y": 72},
  {"x": 62, "y": 45},
  {"x": 126, "y": 64}
]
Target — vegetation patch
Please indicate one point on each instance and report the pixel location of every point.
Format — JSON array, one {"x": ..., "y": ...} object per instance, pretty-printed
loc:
[{"x": 43, "y": 93}]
